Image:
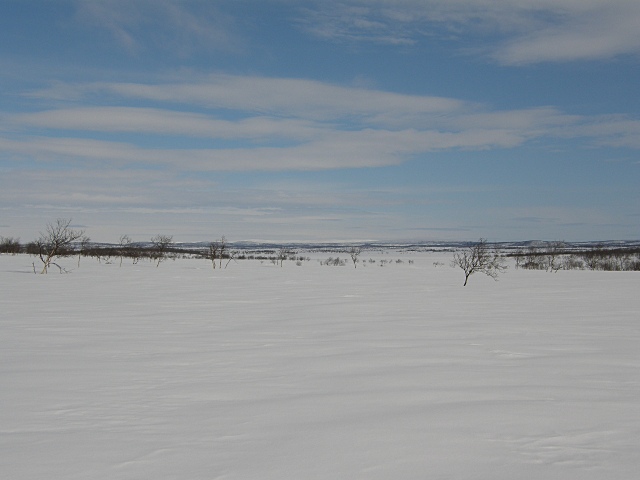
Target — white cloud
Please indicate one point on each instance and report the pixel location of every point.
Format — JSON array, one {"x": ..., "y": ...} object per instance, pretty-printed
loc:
[
  {"x": 178, "y": 28},
  {"x": 610, "y": 130},
  {"x": 309, "y": 98},
  {"x": 356, "y": 149},
  {"x": 512, "y": 32},
  {"x": 605, "y": 30},
  {"x": 283, "y": 124},
  {"x": 159, "y": 121}
]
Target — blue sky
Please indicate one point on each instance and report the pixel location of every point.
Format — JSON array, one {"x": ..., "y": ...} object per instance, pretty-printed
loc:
[{"x": 325, "y": 120}]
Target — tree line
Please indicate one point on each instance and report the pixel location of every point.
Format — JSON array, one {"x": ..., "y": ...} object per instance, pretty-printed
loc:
[
  {"x": 555, "y": 256},
  {"x": 60, "y": 239}
]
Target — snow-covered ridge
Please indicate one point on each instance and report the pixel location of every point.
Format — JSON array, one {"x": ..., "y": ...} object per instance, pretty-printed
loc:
[{"x": 390, "y": 246}]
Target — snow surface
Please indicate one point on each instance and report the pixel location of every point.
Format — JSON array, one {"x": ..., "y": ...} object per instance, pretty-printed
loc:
[{"x": 317, "y": 372}]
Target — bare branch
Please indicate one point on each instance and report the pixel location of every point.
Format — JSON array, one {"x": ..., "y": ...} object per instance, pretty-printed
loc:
[
  {"x": 479, "y": 258},
  {"x": 161, "y": 245},
  {"x": 56, "y": 241},
  {"x": 354, "y": 253}
]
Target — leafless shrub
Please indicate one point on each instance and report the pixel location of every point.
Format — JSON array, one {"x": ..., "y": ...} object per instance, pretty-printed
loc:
[
  {"x": 10, "y": 245},
  {"x": 212, "y": 253},
  {"x": 285, "y": 254},
  {"x": 55, "y": 242},
  {"x": 479, "y": 258},
  {"x": 335, "y": 262},
  {"x": 216, "y": 251},
  {"x": 572, "y": 262},
  {"x": 124, "y": 247},
  {"x": 553, "y": 251},
  {"x": 532, "y": 259},
  {"x": 231, "y": 256},
  {"x": 160, "y": 248},
  {"x": 82, "y": 247},
  {"x": 354, "y": 253},
  {"x": 555, "y": 256}
]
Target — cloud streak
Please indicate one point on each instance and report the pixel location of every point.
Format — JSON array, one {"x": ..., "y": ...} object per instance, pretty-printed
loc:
[
  {"x": 281, "y": 124},
  {"x": 511, "y": 32},
  {"x": 160, "y": 121},
  {"x": 180, "y": 28}
]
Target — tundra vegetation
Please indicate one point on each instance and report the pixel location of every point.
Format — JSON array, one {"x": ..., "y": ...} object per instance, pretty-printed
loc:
[
  {"x": 60, "y": 240},
  {"x": 160, "y": 247},
  {"x": 216, "y": 251},
  {"x": 285, "y": 254},
  {"x": 556, "y": 256},
  {"x": 354, "y": 253},
  {"x": 10, "y": 245},
  {"x": 479, "y": 258},
  {"x": 56, "y": 241},
  {"x": 124, "y": 245}
]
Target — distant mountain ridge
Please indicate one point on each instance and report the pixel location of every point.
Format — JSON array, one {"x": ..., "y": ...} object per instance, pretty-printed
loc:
[{"x": 426, "y": 246}]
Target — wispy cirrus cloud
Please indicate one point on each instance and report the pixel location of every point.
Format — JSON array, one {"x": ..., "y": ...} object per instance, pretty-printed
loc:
[
  {"x": 176, "y": 27},
  {"x": 161, "y": 121},
  {"x": 282, "y": 124},
  {"x": 258, "y": 94},
  {"x": 337, "y": 150},
  {"x": 511, "y": 32}
]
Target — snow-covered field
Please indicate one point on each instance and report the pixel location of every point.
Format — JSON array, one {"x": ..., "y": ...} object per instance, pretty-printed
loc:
[{"x": 317, "y": 372}]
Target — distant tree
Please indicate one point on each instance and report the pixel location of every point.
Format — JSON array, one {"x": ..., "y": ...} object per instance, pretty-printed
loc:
[
  {"x": 231, "y": 256},
  {"x": 10, "y": 245},
  {"x": 592, "y": 258},
  {"x": 533, "y": 257},
  {"x": 222, "y": 247},
  {"x": 161, "y": 244},
  {"x": 479, "y": 258},
  {"x": 553, "y": 252},
  {"x": 82, "y": 248},
  {"x": 212, "y": 253},
  {"x": 55, "y": 242},
  {"x": 32, "y": 248},
  {"x": 124, "y": 246},
  {"x": 283, "y": 254},
  {"x": 216, "y": 250},
  {"x": 354, "y": 253}
]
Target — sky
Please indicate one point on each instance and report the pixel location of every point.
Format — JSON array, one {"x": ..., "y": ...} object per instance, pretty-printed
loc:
[{"x": 321, "y": 120}]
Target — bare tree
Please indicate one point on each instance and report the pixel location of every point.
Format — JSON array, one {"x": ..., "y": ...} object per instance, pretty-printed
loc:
[
  {"x": 212, "y": 253},
  {"x": 10, "y": 245},
  {"x": 124, "y": 245},
  {"x": 161, "y": 245},
  {"x": 354, "y": 253},
  {"x": 56, "y": 241},
  {"x": 479, "y": 257},
  {"x": 215, "y": 251},
  {"x": 283, "y": 254},
  {"x": 532, "y": 259},
  {"x": 222, "y": 246},
  {"x": 553, "y": 251},
  {"x": 592, "y": 258},
  {"x": 231, "y": 256},
  {"x": 84, "y": 243}
]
